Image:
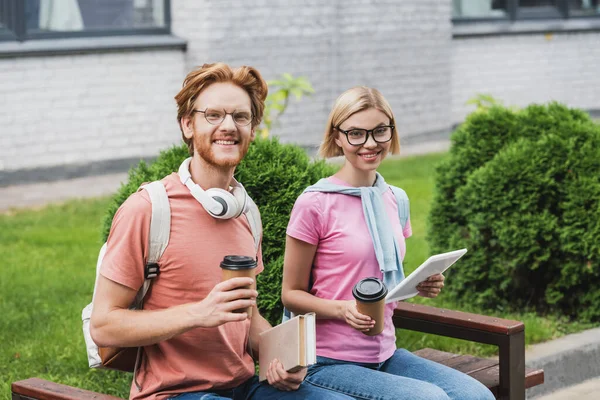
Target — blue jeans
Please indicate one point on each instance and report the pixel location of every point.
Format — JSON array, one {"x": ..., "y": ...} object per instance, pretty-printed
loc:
[
  {"x": 402, "y": 376},
  {"x": 255, "y": 390}
]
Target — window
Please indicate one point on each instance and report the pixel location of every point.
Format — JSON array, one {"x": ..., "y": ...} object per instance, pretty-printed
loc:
[
  {"x": 465, "y": 10},
  {"x": 487, "y": 9},
  {"x": 43, "y": 19},
  {"x": 4, "y": 13},
  {"x": 584, "y": 8},
  {"x": 532, "y": 9}
]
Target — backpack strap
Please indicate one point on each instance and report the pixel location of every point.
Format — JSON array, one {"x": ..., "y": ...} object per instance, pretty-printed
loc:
[
  {"x": 160, "y": 230},
  {"x": 160, "y": 225},
  {"x": 158, "y": 240},
  {"x": 253, "y": 216},
  {"x": 403, "y": 205}
]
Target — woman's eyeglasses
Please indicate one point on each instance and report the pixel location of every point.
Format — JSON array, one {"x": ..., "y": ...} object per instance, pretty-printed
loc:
[{"x": 358, "y": 137}]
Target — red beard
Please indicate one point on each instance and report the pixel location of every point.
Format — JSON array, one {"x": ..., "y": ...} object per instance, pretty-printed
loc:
[{"x": 222, "y": 158}]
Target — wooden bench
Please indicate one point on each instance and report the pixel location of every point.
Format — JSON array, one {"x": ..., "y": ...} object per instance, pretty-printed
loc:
[{"x": 506, "y": 377}]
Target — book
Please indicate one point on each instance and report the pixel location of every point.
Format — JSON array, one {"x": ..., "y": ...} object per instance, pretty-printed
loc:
[
  {"x": 293, "y": 342},
  {"x": 435, "y": 264}
]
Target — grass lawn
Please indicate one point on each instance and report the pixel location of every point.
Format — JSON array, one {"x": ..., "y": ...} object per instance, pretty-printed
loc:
[
  {"x": 48, "y": 274},
  {"x": 47, "y": 278}
]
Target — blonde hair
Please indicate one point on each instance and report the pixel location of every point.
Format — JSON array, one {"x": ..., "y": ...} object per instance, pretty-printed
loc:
[
  {"x": 247, "y": 78},
  {"x": 350, "y": 102}
]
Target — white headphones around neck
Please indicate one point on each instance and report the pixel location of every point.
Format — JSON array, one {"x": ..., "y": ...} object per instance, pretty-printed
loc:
[{"x": 219, "y": 203}]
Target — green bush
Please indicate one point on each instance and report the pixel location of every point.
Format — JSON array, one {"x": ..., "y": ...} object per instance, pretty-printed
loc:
[
  {"x": 274, "y": 175},
  {"x": 521, "y": 191}
]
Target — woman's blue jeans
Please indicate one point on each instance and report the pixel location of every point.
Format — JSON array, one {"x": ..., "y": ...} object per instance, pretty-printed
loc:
[
  {"x": 252, "y": 389},
  {"x": 402, "y": 376}
]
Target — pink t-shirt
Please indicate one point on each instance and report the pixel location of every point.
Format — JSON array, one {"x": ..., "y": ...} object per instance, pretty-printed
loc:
[
  {"x": 202, "y": 358},
  {"x": 336, "y": 224}
]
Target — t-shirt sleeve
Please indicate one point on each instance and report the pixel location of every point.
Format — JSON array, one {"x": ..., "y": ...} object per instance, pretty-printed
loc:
[
  {"x": 306, "y": 219},
  {"x": 127, "y": 242}
]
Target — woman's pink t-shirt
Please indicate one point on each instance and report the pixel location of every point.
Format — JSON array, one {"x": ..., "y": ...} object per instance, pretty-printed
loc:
[{"x": 335, "y": 223}]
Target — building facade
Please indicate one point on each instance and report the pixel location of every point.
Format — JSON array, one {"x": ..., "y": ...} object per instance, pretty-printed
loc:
[{"x": 87, "y": 87}]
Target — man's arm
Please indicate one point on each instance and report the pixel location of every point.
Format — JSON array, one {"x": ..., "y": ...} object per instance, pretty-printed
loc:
[
  {"x": 113, "y": 324},
  {"x": 259, "y": 324}
]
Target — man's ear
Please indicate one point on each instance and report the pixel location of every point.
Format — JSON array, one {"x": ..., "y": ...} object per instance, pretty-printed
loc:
[
  {"x": 187, "y": 127},
  {"x": 252, "y": 134}
]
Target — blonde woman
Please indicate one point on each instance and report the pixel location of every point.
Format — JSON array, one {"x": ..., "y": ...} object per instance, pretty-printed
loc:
[{"x": 346, "y": 228}]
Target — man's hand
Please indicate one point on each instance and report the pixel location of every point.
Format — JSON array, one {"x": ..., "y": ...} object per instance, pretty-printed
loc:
[
  {"x": 431, "y": 286},
  {"x": 285, "y": 381},
  {"x": 355, "y": 319},
  {"x": 217, "y": 308}
]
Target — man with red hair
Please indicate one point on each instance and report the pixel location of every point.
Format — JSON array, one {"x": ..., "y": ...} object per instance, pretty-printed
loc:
[{"x": 194, "y": 344}]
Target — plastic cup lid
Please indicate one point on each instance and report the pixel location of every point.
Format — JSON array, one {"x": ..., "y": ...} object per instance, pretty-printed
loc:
[
  {"x": 369, "y": 290},
  {"x": 238, "y": 262}
]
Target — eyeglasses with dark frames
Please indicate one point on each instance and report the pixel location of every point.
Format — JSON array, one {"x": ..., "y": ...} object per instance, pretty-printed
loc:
[
  {"x": 216, "y": 117},
  {"x": 358, "y": 137}
]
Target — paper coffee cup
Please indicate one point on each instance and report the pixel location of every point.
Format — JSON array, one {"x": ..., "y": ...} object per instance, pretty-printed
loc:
[
  {"x": 370, "y": 300},
  {"x": 239, "y": 266}
]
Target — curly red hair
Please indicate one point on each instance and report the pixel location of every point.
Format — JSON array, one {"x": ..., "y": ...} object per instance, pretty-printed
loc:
[{"x": 247, "y": 78}]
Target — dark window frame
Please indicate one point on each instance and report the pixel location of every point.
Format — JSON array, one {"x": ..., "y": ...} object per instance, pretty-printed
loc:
[
  {"x": 515, "y": 13},
  {"x": 13, "y": 12},
  {"x": 7, "y": 12}
]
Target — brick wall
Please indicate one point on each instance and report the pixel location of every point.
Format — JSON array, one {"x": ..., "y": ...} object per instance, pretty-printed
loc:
[
  {"x": 402, "y": 48},
  {"x": 71, "y": 110},
  {"x": 80, "y": 109},
  {"x": 522, "y": 69},
  {"x": 85, "y": 108}
]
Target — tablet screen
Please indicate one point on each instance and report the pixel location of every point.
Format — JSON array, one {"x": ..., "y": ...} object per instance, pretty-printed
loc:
[{"x": 435, "y": 264}]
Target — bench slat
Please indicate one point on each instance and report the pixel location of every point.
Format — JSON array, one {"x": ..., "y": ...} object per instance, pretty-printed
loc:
[
  {"x": 469, "y": 364},
  {"x": 490, "y": 377},
  {"x": 486, "y": 371},
  {"x": 434, "y": 355},
  {"x": 40, "y": 389}
]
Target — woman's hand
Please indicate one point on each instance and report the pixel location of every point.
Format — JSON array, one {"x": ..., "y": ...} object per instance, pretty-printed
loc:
[
  {"x": 282, "y": 380},
  {"x": 431, "y": 286},
  {"x": 355, "y": 319}
]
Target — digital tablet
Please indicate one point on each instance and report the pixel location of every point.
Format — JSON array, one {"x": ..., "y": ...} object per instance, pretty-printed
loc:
[{"x": 433, "y": 265}]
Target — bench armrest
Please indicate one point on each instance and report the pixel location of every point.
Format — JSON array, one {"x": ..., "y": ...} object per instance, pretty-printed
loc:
[
  {"x": 409, "y": 316},
  {"x": 508, "y": 335}
]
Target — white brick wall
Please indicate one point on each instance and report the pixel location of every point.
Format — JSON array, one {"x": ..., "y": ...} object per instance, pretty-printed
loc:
[
  {"x": 402, "y": 48},
  {"x": 63, "y": 110},
  {"x": 85, "y": 108},
  {"x": 75, "y": 109},
  {"x": 522, "y": 69}
]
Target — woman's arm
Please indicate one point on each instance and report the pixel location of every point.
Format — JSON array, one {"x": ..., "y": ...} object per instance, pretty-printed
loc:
[{"x": 297, "y": 266}]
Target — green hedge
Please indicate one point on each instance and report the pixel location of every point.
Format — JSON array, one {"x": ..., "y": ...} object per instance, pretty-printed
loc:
[
  {"x": 274, "y": 175},
  {"x": 521, "y": 191}
]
